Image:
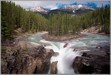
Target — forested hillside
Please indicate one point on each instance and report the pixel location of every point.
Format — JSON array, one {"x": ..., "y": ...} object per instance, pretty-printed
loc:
[{"x": 14, "y": 17}]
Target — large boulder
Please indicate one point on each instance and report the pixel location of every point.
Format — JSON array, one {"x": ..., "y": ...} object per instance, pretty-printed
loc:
[{"x": 95, "y": 61}]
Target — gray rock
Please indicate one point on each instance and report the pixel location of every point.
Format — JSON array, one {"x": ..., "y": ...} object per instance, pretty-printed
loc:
[
  {"x": 95, "y": 61},
  {"x": 32, "y": 61}
]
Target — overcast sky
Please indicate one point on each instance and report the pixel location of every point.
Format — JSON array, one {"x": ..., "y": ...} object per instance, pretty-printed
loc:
[{"x": 54, "y": 4}]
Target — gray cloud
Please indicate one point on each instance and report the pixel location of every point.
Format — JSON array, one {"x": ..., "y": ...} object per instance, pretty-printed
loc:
[
  {"x": 50, "y": 4},
  {"x": 27, "y": 4}
]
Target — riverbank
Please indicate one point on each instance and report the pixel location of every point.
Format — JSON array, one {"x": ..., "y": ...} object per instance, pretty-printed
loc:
[
  {"x": 96, "y": 29},
  {"x": 61, "y": 38},
  {"x": 66, "y": 37}
]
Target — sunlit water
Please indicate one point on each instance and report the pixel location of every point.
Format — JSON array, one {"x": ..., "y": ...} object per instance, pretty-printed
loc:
[{"x": 67, "y": 55}]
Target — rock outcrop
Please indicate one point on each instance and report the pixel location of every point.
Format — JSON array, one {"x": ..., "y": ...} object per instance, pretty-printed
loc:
[
  {"x": 93, "y": 29},
  {"x": 33, "y": 61},
  {"x": 53, "y": 67},
  {"x": 93, "y": 62}
]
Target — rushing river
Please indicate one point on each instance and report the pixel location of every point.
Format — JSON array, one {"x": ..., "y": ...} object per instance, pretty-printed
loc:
[{"x": 66, "y": 54}]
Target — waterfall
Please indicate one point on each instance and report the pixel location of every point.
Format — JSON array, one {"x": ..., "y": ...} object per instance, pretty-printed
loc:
[{"x": 65, "y": 58}]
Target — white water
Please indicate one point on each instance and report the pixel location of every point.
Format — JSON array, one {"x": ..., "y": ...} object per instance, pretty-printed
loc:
[
  {"x": 65, "y": 58},
  {"x": 67, "y": 55}
]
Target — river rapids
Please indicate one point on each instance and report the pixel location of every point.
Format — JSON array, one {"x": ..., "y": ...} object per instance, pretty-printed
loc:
[{"x": 67, "y": 49}]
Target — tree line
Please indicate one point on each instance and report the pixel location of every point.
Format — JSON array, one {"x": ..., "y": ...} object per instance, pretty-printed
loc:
[
  {"x": 61, "y": 24},
  {"x": 14, "y": 17}
]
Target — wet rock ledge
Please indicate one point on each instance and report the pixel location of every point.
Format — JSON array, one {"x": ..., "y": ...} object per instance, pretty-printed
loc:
[{"x": 93, "y": 62}]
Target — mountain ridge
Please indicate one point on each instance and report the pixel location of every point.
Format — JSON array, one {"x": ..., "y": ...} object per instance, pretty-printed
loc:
[{"x": 71, "y": 9}]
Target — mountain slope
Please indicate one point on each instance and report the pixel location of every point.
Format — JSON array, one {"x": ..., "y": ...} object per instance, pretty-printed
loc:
[
  {"x": 74, "y": 9},
  {"x": 39, "y": 9},
  {"x": 70, "y": 9}
]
